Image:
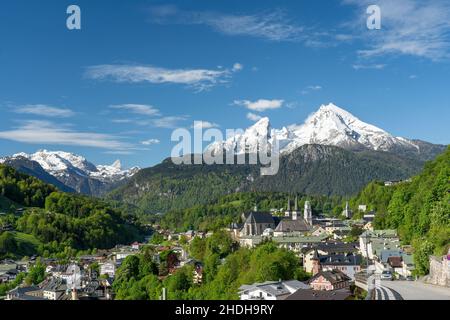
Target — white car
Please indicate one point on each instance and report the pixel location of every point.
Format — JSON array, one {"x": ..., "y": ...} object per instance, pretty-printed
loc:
[{"x": 387, "y": 275}]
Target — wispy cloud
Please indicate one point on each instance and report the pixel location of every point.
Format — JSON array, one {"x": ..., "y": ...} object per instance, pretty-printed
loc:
[
  {"x": 44, "y": 110},
  {"x": 169, "y": 122},
  {"x": 253, "y": 117},
  {"x": 141, "y": 109},
  {"x": 204, "y": 125},
  {"x": 199, "y": 79},
  {"x": 308, "y": 89},
  {"x": 150, "y": 142},
  {"x": 369, "y": 66},
  {"x": 272, "y": 26},
  {"x": 46, "y": 132},
  {"x": 409, "y": 27},
  {"x": 260, "y": 105}
]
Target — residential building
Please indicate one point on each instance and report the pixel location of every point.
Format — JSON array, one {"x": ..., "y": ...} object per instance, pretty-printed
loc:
[
  {"x": 329, "y": 281},
  {"x": 108, "y": 268},
  {"x": 271, "y": 290},
  {"x": 311, "y": 295}
]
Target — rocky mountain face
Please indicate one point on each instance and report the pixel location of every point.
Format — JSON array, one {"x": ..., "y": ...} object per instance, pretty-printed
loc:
[
  {"x": 331, "y": 153},
  {"x": 329, "y": 126},
  {"x": 70, "y": 172}
]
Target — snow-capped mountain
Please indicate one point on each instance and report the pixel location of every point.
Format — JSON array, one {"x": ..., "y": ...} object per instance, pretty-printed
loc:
[
  {"x": 73, "y": 170},
  {"x": 330, "y": 125}
]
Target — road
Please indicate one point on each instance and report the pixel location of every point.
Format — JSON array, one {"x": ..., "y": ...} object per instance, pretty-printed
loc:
[
  {"x": 413, "y": 290},
  {"x": 383, "y": 292}
]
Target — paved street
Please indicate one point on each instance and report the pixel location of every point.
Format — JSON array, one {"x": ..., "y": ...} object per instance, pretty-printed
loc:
[
  {"x": 382, "y": 292},
  {"x": 410, "y": 290}
]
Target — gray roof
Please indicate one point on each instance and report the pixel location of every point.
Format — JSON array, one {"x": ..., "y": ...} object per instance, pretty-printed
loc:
[
  {"x": 276, "y": 288},
  {"x": 386, "y": 254},
  {"x": 260, "y": 217},
  {"x": 333, "y": 276},
  {"x": 341, "y": 260},
  {"x": 288, "y": 225},
  {"x": 303, "y": 294}
]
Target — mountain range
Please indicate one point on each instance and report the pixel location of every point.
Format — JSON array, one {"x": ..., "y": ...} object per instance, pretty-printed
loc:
[
  {"x": 331, "y": 153},
  {"x": 70, "y": 172},
  {"x": 330, "y": 126}
]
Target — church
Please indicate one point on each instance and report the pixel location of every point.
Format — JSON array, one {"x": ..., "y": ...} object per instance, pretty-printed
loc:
[{"x": 293, "y": 222}]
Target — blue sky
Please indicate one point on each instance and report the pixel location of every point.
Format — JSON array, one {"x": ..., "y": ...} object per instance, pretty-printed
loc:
[{"x": 117, "y": 88}]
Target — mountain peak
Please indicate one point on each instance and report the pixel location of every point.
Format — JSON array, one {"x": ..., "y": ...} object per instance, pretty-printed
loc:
[
  {"x": 329, "y": 125},
  {"x": 117, "y": 164}
]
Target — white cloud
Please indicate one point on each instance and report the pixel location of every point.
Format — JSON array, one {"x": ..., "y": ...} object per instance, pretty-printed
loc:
[
  {"x": 45, "y": 132},
  {"x": 308, "y": 89},
  {"x": 253, "y": 117},
  {"x": 44, "y": 110},
  {"x": 150, "y": 142},
  {"x": 409, "y": 27},
  {"x": 272, "y": 26},
  {"x": 199, "y": 79},
  {"x": 413, "y": 77},
  {"x": 260, "y": 105},
  {"x": 237, "y": 67},
  {"x": 141, "y": 109},
  {"x": 204, "y": 125},
  {"x": 168, "y": 122},
  {"x": 369, "y": 66}
]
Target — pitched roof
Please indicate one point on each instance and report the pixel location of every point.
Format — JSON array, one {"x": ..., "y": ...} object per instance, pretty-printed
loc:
[
  {"x": 333, "y": 276},
  {"x": 260, "y": 217},
  {"x": 276, "y": 288},
  {"x": 395, "y": 262},
  {"x": 288, "y": 225},
  {"x": 308, "y": 294},
  {"x": 341, "y": 260}
]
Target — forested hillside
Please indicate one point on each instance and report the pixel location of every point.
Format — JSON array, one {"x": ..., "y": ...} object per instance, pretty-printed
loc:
[
  {"x": 53, "y": 222},
  {"x": 420, "y": 209},
  {"x": 311, "y": 169}
]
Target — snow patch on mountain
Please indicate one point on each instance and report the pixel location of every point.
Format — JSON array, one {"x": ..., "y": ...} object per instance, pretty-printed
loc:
[
  {"x": 330, "y": 125},
  {"x": 63, "y": 164}
]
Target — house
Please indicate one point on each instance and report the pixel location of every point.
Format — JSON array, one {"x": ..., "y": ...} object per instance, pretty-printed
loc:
[
  {"x": 329, "y": 281},
  {"x": 108, "y": 268},
  {"x": 270, "y": 290},
  {"x": 310, "y": 295},
  {"x": 326, "y": 248},
  {"x": 197, "y": 273},
  {"x": 347, "y": 264},
  {"x": 136, "y": 245},
  {"x": 25, "y": 293},
  {"x": 256, "y": 223},
  {"x": 318, "y": 231},
  {"x": 371, "y": 243},
  {"x": 54, "y": 289},
  {"x": 362, "y": 208}
]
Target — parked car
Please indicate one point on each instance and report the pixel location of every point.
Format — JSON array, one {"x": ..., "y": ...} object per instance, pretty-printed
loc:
[
  {"x": 387, "y": 275},
  {"x": 410, "y": 278}
]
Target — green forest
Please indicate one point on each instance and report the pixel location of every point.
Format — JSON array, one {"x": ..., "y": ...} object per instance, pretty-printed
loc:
[
  {"x": 226, "y": 268},
  {"x": 419, "y": 210},
  {"x": 46, "y": 222}
]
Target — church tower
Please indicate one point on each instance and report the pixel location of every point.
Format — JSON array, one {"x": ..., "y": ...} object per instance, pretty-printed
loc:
[
  {"x": 316, "y": 267},
  {"x": 307, "y": 213},
  {"x": 295, "y": 212},
  {"x": 347, "y": 212},
  {"x": 287, "y": 214}
]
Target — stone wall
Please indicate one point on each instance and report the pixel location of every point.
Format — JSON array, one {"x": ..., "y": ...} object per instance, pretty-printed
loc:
[{"x": 439, "y": 271}]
